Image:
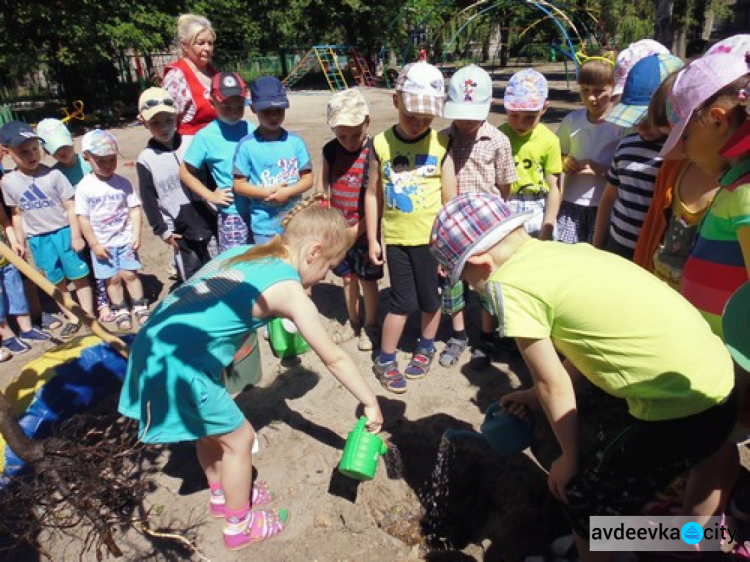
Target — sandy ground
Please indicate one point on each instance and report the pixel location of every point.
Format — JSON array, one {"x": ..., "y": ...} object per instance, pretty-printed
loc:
[{"x": 498, "y": 508}]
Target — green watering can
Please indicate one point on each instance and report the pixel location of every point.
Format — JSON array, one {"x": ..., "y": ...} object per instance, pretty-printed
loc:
[
  {"x": 286, "y": 343},
  {"x": 361, "y": 453}
]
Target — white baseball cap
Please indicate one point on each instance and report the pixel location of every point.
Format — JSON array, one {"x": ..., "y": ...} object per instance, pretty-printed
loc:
[{"x": 469, "y": 94}]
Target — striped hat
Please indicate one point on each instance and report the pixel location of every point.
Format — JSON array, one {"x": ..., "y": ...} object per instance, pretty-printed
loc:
[{"x": 470, "y": 224}]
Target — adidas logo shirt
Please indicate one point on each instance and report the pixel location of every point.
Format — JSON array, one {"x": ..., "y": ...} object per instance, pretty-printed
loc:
[{"x": 40, "y": 198}]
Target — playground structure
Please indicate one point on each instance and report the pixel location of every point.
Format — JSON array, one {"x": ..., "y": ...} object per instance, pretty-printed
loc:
[
  {"x": 333, "y": 60},
  {"x": 574, "y": 29}
]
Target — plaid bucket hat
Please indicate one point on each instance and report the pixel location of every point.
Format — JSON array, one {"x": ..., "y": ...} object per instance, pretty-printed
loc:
[
  {"x": 470, "y": 224},
  {"x": 422, "y": 88}
]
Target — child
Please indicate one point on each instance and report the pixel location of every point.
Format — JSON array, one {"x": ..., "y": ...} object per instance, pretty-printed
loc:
[
  {"x": 110, "y": 215},
  {"x": 344, "y": 176},
  {"x": 244, "y": 289},
  {"x": 483, "y": 161},
  {"x": 13, "y": 299},
  {"x": 631, "y": 178},
  {"x": 42, "y": 204},
  {"x": 706, "y": 110},
  {"x": 588, "y": 145},
  {"x": 411, "y": 176},
  {"x": 214, "y": 146},
  {"x": 271, "y": 166},
  {"x": 176, "y": 215},
  {"x": 58, "y": 142},
  {"x": 678, "y": 385},
  {"x": 536, "y": 151}
]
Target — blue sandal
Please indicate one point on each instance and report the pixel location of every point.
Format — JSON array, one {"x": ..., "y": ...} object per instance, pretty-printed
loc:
[
  {"x": 390, "y": 377},
  {"x": 420, "y": 363}
]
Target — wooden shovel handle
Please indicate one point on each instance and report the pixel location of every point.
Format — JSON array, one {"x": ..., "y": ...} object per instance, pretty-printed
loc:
[{"x": 64, "y": 300}]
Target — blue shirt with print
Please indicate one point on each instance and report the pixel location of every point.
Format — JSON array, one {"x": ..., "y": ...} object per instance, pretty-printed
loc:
[
  {"x": 215, "y": 145},
  {"x": 266, "y": 163}
]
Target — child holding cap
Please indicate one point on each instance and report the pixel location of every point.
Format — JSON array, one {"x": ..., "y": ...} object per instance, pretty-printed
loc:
[
  {"x": 109, "y": 211},
  {"x": 678, "y": 386},
  {"x": 344, "y": 178},
  {"x": 272, "y": 166},
  {"x": 177, "y": 215},
  {"x": 411, "y": 176},
  {"x": 214, "y": 146},
  {"x": 536, "y": 151},
  {"x": 483, "y": 160},
  {"x": 708, "y": 106},
  {"x": 41, "y": 200}
]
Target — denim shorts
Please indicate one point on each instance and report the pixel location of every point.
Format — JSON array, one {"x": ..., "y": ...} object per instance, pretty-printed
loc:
[
  {"x": 357, "y": 262},
  {"x": 12, "y": 296},
  {"x": 54, "y": 255},
  {"x": 121, "y": 258}
]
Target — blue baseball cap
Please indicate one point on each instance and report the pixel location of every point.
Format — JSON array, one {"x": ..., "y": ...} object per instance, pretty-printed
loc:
[
  {"x": 266, "y": 92},
  {"x": 642, "y": 81},
  {"x": 15, "y": 133}
]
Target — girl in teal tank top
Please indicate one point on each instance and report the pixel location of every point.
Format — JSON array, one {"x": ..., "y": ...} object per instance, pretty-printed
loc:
[{"x": 174, "y": 384}]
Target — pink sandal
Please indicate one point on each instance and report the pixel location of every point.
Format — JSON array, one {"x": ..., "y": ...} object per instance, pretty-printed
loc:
[
  {"x": 260, "y": 495},
  {"x": 261, "y": 526}
]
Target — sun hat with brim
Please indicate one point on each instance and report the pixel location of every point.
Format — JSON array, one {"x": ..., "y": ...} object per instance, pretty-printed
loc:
[
  {"x": 54, "y": 134},
  {"x": 347, "y": 108},
  {"x": 642, "y": 81},
  {"x": 735, "y": 324},
  {"x": 100, "y": 143},
  {"x": 695, "y": 84},
  {"x": 470, "y": 224},
  {"x": 422, "y": 88},
  {"x": 469, "y": 94}
]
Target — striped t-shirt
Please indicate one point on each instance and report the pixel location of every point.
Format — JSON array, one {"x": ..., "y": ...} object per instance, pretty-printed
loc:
[
  {"x": 633, "y": 172},
  {"x": 347, "y": 177}
]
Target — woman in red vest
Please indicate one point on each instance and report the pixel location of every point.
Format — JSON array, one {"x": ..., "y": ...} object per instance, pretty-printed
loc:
[{"x": 188, "y": 80}]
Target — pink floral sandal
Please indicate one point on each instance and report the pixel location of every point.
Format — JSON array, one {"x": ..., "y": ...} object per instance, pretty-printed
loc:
[
  {"x": 260, "y": 495},
  {"x": 261, "y": 526}
]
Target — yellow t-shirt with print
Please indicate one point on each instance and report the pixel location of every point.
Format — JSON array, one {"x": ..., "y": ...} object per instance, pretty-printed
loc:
[
  {"x": 630, "y": 334},
  {"x": 411, "y": 181}
]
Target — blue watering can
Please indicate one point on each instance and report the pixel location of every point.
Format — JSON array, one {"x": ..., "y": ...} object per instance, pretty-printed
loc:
[{"x": 505, "y": 433}]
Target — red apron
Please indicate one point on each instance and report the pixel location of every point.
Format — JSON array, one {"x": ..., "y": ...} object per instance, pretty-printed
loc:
[{"x": 204, "y": 111}]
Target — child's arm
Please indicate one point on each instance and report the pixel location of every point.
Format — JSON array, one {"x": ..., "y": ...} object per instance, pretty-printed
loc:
[
  {"x": 76, "y": 240},
  {"x": 551, "y": 207},
  {"x": 604, "y": 215},
  {"x": 136, "y": 218},
  {"x": 448, "y": 179},
  {"x": 189, "y": 177},
  {"x": 282, "y": 192},
  {"x": 325, "y": 171},
  {"x": 556, "y": 395},
  {"x": 10, "y": 234},
  {"x": 288, "y": 299},
  {"x": 150, "y": 199},
  {"x": 373, "y": 207},
  {"x": 17, "y": 220},
  {"x": 100, "y": 251}
]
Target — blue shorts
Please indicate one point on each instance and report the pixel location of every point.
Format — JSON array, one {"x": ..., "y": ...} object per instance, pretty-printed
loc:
[
  {"x": 357, "y": 262},
  {"x": 12, "y": 296},
  {"x": 121, "y": 258},
  {"x": 54, "y": 255}
]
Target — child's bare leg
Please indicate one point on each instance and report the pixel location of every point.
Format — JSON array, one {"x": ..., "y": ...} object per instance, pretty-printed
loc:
[
  {"x": 115, "y": 290},
  {"x": 711, "y": 481},
  {"x": 236, "y": 465},
  {"x": 351, "y": 298},
  {"x": 133, "y": 283},
  {"x": 5, "y": 332},
  {"x": 458, "y": 322},
  {"x": 430, "y": 324},
  {"x": 209, "y": 456},
  {"x": 85, "y": 295},
  {"x": 62, "y": 286},
  {"x": 393, "y": 327},
  {"x": 489, "y": 324},
  {"x": 24, "y": 322},
  {"x": 371, "y": 296}
]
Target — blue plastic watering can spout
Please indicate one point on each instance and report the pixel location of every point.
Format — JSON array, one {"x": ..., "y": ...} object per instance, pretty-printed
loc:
[{"x": 453, "y": 435}]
